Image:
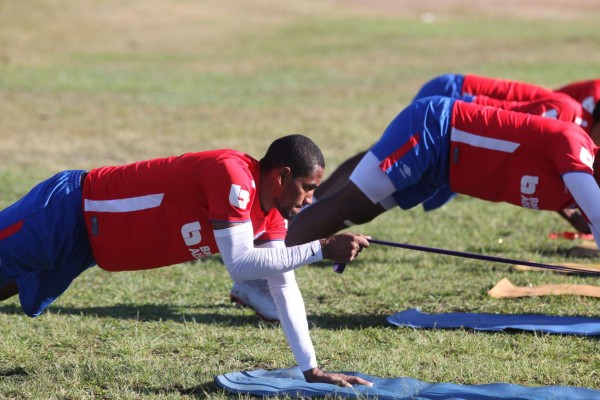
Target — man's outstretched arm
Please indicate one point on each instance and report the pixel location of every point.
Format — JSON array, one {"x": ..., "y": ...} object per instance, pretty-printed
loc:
[{"x": 346, "y": 207}]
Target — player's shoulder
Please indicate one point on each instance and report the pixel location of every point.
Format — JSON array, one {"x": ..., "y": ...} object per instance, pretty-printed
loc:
[
  {"x": 570, "y": 135},
  {"x": 236, "y": 156},
  {"x": 222, "y": 157}
]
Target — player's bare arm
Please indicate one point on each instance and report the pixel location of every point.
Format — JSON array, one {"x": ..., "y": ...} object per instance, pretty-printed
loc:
[{"x": 331, "y": 214}]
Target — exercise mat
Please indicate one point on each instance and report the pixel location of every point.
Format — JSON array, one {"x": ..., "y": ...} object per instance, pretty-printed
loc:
[
  {"x": 290, "y": 382},
  {"x": 414, "y": 318}
]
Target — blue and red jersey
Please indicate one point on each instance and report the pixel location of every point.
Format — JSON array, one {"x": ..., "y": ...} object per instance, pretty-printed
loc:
[{"x": 483, "y": 152}]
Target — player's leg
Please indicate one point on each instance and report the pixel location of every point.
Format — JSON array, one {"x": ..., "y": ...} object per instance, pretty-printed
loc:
[
  {"x": 255, "y": 294},
  {"x": 338, "y": 178},
  {"x": 331, "y": 214}
]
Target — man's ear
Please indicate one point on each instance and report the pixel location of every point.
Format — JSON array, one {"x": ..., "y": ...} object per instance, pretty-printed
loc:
[{"x": 283, "y": 173}]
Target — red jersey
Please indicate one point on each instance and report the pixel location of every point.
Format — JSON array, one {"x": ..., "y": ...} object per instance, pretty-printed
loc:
[
  {"x": 523, "y": 97},
  {"x": 503, "y": 89},
  {"x": 587, "y": 93},
  {"x": 499, "y": 155},
  {"x": 158, "y": 212},
  {"x": 556, "y": 105}
]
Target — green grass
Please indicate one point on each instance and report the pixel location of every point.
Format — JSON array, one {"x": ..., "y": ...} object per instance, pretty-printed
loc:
[{"x": 110, "y": 82}]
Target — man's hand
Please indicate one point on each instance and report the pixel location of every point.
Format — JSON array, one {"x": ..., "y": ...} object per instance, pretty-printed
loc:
[
  {"x": 344, "y": 247},
  {"x": 316, "y": 375}
]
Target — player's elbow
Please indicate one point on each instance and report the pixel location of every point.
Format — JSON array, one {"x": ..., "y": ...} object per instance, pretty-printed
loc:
[
  {"x": 238, "y": 274},
  {"x": 237, "y": 267}
]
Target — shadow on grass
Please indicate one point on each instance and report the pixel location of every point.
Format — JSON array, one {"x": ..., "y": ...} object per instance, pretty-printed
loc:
[
  {"x": 161, "y": 312},
  {"x": 198, "y": 392},
  {"x": 18, "y": 371}
]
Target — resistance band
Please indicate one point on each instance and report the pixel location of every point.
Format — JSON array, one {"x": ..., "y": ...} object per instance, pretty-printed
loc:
[{"x": 339, "y": 268}]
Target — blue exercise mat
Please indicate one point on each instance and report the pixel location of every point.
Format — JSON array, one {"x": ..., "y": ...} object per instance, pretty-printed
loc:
[
  {"x": 414, "y": 318},
  {"x": 290, "y": 382}
]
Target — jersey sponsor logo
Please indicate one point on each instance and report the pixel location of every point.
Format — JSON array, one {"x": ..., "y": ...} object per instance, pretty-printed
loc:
[
  {"x": 239, "y": 197},
  {"x": 529, "y": 183},
  {"x": 530, "y": 202},
  {"x": 528, "y": 187},
  {"x": 191, "y": 236},
  {"x": 586, "y": 157},
  {"x": 191, "y": 233},
  {"x": 200, "y": 252},
  {"x": 406, "y": 170}
]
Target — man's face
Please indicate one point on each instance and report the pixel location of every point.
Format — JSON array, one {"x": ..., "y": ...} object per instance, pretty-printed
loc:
[{"x": 296, "y": 193}]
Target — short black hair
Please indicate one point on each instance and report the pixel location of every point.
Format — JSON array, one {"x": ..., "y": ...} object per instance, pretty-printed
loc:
[
  {"x": 596, "y": 112},
  {"x": 298, "y": 152}
]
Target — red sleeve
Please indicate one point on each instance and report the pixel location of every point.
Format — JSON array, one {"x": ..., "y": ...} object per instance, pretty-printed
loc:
[
  {"x": 230, "y": 190},
  {"x": 276, "y": 228},
  {"x": 574, "y": 150}
]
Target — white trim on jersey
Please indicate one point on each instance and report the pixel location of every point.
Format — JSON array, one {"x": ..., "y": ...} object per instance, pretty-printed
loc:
[
  {"x": 456, "y": 135},
  {"x": 124, "y": 205}
]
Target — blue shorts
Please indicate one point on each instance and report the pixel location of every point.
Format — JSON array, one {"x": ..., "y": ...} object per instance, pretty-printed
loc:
[
  {"x": 43, "y": 241},
  {"x": 414, "y": 151},
  {"x": 449, "y": 85},
  {"x": 443, "y": 195}
]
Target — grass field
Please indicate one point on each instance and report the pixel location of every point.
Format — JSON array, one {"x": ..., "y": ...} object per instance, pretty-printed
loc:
[{"x": 92, "y": 83}]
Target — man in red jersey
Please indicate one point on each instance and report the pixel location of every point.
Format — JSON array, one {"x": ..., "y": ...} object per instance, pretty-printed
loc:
[
  {"x": 484, "y": 152},
  {"x": 572, "y": 103},
  {"x": 487, "y": 90},
  {"x": 524, "y": 97},
  {"x": 569, "y": 106},
  {"x": 171, "y": 210}
]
